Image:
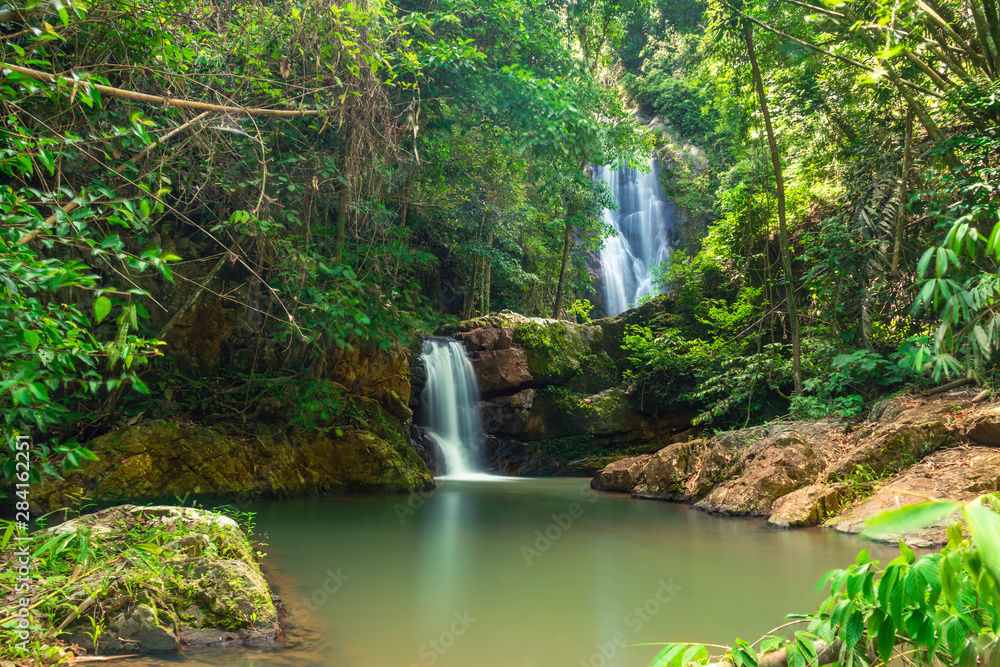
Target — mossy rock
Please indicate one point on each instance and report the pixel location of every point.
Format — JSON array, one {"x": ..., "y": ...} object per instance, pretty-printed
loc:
[
  {"x": 152, "y": 595},
  {"x": 558, "y": 351},
  {"x": 161, "y": 459}
]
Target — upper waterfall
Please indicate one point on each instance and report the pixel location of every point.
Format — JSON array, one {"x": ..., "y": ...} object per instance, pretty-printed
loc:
[
  {"x": 642, "y": 235},
  {"x": 451, "y": 395}
]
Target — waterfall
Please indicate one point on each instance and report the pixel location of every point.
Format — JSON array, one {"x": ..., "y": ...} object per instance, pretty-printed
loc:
[
  {"x": 451, "y": 395},
  {"x": 641, "y": 242}
]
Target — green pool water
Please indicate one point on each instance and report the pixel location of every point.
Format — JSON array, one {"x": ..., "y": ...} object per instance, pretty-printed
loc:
[{"x": 522, "y": 573}]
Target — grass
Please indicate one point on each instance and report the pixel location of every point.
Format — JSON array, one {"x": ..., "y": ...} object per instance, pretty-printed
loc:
[{"x": 80, "y": 578}]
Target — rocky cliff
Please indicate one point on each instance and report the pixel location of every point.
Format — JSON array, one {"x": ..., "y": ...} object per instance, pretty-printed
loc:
[
  {"x": 810, "y": 473},
  {"x": 346, "y": 428},
  {"x": 553, "y": 398}
]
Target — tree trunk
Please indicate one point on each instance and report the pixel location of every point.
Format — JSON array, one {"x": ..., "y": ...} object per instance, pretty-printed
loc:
[
  {"x": 488, "y": 277},
  {"x": 338, "y": 252},
  {"x": 565, "y": 261},
  {"x": 901, "y": 213},
  {"x": 470, "y": 296},
  {"x": 786, "y": 254}
]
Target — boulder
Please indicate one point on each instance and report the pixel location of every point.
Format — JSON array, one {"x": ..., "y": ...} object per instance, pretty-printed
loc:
[
  {"x": 915, "y": 429},
  {"x": 621, "y": 475},
  {"x": 959, "y": 474},
  {"x": 507, "y": 415},
  {"x": 790, "y": 456},
  {"x": 161, "y": 459},
  {"x": 810, "y": 506},
  {"x": 667, "y": 473},
  {"x": 486, "y": 338},
  {"x": 502, "y": 372},
  {"x": 161, "y": 604},
  {"x": 984, "y": 428},
  {"x": 543, "y": 352}
]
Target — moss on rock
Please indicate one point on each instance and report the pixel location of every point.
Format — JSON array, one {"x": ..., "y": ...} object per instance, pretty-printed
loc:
[{"x": 160, "y": 459}]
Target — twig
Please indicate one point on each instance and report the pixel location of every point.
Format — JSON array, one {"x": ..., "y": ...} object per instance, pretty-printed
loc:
[
  {"x": 141, "y": 155},
  {"x": 193, "y": 298}
]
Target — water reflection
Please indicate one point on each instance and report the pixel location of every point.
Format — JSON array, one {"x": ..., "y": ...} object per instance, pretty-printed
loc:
[{"x": 533, "y": 572}]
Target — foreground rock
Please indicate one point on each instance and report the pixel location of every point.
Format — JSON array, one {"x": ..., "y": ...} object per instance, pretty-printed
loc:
[
  {"x": 161, "y": 459},
  {"x": 786, "y": 458},
  {"x": 167, "y": 578},
  {"x": 806, "y": 473},
  {"x": 959, "y": 474}
]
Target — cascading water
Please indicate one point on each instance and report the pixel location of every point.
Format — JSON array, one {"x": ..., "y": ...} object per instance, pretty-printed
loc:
[
  {"x": 642, "y": 235},
  {"x": 451, "y": 395}
]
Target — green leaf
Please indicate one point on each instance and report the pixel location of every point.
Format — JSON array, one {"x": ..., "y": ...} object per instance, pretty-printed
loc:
[
  {"x": 984, "y": 524},
  {"x": 909, "y": 517},
  {"x": 924, "y": 262},
  {"x": 101, "y": 309},
  {"x": 31, "y": 339},
  {"x": 886, "y": 639},
  {"x": 666, "y": 657}
]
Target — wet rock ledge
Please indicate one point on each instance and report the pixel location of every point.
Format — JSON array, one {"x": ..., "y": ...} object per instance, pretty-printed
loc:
[
  {"x": 160, "y": 579},
  {"x": 809, "y": 473}
]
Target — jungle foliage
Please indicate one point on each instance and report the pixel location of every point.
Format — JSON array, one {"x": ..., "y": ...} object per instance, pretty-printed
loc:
[
  {"x": 885, "y": 119},
  {"x": 327, "y": 173}
]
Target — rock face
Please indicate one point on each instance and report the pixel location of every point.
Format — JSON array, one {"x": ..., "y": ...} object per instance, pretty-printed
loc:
[
  {"x": 788, "y": 457},
  {"x": 811, "y": 505},
  {"x": 553, "y": 399},
  {"x": 202, "y": 588},
  {"x": 960, "y": 474},
  {"x": 161, "y": 459},
  {"x": 804, "y": 473},
  {"x": 621, "y": 475}
]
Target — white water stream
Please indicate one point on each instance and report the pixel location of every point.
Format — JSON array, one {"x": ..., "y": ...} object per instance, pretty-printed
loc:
[
  {"x": 451, "y": 395},
  {"x": 642, "y": 236}
]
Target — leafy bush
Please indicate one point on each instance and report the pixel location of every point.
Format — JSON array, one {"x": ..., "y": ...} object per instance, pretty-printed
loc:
[{"x": 941, "y": 608}]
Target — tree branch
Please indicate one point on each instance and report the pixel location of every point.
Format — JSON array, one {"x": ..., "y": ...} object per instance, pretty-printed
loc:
[{"x": 168, "y": 101}]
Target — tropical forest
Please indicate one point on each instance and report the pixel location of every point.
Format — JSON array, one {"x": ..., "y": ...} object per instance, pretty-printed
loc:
[{"x": 506, "y": 333}]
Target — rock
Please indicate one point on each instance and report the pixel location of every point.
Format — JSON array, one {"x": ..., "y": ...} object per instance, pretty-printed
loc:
[
  {"x": 209, "y": 638},
  {"x": 190, "y": 545},
  {"x": 985, "y": 428},
  {"x": 507, "y": 415},
  {"x": 486, "y": 338},
  {"x": 666, "y": 474},
  {"x": 810, "y": 506},
  {"x": 149, "y": 633},
  {"x": 174, "y": 599},
  {"x": 959, "y": 474},
  {"x": 161, "y": 459},
  {"x": 502, "y": 371},
  {"x": 915, "y": 430},
  {"x": 790, "y": 456},
  {"x": 561, "y": 414},
  {"x": 550, "y": 353},
  {"x": 621, "y": 475}
]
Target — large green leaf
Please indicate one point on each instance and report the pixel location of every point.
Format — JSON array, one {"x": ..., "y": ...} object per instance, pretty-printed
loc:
[{"x": 909, "y": 517}]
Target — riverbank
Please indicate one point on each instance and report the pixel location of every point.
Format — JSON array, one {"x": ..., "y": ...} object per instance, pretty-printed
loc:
[{"x": 831, "y": 473}]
